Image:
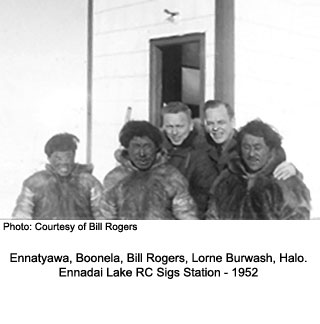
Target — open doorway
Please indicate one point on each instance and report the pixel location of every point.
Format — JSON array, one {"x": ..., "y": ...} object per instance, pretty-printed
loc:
[{"x": 177, "y": 73}]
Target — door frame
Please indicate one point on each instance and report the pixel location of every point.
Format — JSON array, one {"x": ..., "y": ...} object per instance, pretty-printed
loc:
[{"x": 155, "y": 85}]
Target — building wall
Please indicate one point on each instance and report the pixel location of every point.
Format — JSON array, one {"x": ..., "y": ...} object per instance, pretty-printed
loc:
[
  {"x": 276, "y": 69},
  {"x": 42, "y": 86},
  {"x": 122, "y": 30},
  {"x": 277, "y": 73}
]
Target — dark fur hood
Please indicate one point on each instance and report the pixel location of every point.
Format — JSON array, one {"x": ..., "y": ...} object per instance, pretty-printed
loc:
[
  {"x": 277, "y": 156},
  {"x": 122, "y": 157}
]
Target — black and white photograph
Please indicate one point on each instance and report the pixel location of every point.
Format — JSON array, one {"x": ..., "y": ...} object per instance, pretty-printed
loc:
[
  {"x": 114, "y": 112},
  {"x": 74, "y": 73}
]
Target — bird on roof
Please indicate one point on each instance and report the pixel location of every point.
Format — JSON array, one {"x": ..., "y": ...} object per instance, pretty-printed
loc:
[{"x": 171, "y": 13}]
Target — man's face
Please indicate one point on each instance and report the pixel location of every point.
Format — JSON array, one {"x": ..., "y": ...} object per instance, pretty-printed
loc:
[
  {"x": 219, "y": 124},
  {"x": 255, "y": 152},
  {"x": 62, "y": 162},
  {"x": 142, "y": 152},
  {"x": 177, "y": 127}
]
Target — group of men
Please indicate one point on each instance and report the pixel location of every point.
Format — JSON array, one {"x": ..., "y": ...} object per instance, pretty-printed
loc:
[{"x": 186, "y": 170}]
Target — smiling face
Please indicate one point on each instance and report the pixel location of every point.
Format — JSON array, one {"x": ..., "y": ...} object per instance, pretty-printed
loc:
[
  {"x": 219, "y": 124},
  {"x": 62, "y": 162},
  {"x": 255, "y": 152},
  {"x": 177, "y": 127},
  {"x": 142, "y": 152}
]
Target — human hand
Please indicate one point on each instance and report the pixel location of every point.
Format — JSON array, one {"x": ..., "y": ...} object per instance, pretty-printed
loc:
[{"x": 284, "y": 171}]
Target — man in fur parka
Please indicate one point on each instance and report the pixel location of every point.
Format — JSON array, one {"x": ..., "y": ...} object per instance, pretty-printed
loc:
[
  {"x": 144, "y": 186},
  {"x": 221, "y": 138},
  {"x": 64, "y": 190},
  {"x": 248, "y": 189}
]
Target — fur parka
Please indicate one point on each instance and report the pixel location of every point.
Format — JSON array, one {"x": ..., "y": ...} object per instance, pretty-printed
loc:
[
  {"x": 237, "y": 194},
  {"x": 48, "y": 196},
  {"x": 158, "y": 193}
]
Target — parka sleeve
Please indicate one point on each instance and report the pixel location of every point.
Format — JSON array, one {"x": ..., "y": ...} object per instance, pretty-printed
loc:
[
  {"x": 96, "y": 200},
  {"x": 95, "y": 190},
  {"x": 110, "y": 208},
  {"x": 183, "y": 205},
  {"x": 110, "y": 192},
  {"x": 282, "y": 199},
  {"x": 25, "y": 204},
  {"x": 296, "y": 200}
]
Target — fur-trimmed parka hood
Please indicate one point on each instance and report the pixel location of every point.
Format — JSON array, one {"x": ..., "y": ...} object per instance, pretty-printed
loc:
[
  {"x": 277, "y": 156},
  {"x": 122, "y": 157}
]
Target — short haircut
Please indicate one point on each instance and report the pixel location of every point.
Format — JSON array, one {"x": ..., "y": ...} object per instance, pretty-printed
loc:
[
  {"x": 260, "y": 129},
  {"x": 175, "y": 107},
  {"x": 61, "y": 143},
  {"x": 217, "y": 104},
  {"x": 139, "y": 129}
]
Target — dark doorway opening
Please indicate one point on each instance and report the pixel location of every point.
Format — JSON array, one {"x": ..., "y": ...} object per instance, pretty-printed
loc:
[{"x": 177, "y": 73}]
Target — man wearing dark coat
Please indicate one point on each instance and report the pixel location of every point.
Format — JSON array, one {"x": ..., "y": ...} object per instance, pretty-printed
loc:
[
  {"x": 184, "y": 147},
  {"x": 248, "y": 189},
  {"x": 64, "y": 190},
  {"x": 144, "y": 185}
]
